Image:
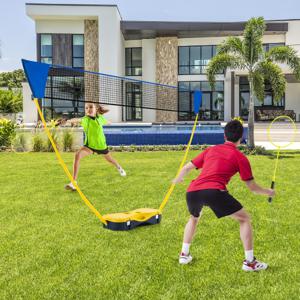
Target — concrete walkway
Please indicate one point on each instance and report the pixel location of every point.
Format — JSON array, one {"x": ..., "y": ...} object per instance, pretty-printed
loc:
[{"x": 281, "y": 133}]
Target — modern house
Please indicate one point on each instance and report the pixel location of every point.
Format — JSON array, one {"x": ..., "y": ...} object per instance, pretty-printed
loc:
[{"x": 96, "y": 38}]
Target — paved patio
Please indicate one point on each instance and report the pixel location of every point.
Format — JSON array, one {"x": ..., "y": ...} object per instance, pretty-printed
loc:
[{"x": 281, "y": 133}]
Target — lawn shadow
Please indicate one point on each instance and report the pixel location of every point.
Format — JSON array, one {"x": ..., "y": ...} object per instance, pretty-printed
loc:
[{"x": 281, "y": 157}]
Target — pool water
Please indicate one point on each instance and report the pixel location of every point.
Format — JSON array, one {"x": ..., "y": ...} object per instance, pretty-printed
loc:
[
  {"x": 160, "y": 129},
  {"x": 163, "y": 135}
]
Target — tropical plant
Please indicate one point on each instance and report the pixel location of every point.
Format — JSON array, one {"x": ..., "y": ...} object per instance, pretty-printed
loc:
[
  {"x": 67, "y": 140},
  {"x": 7, "y": 132},
  {"x": 247, "y": 53},
  {"x": 38, "y": 143},
  {"x": 52, "y": 125},
  {"x": 20, "y": 144},
  {"x": 12, "y": 79},
  {"x": 10, "y": 101}
]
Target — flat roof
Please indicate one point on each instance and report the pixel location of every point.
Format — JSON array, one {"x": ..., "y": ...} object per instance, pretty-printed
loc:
[
  {"x": 133, "y": 30},
  {"x": 70, "y": 4}
]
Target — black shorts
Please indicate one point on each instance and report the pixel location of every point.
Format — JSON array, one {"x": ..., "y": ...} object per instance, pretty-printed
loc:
[
  {"x": 221, "y": 202},
  {"x": 104, "y": 151}
]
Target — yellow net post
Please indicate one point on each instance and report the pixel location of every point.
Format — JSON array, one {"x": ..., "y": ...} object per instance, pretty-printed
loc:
[
  {"x": 164, "y": 202},
  {"x": 65, "y": 168}
]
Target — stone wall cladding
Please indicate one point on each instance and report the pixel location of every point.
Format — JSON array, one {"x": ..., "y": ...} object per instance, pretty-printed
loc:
[
  {"x": 91, "y": 60},
  {"x": 167, "y": 73}
]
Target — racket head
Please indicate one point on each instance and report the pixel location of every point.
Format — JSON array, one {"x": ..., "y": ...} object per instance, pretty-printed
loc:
[{"x": 285, "y": 135}]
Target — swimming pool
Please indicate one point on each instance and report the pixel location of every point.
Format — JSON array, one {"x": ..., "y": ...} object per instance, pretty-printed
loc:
[{"x": 163, "y": 135}]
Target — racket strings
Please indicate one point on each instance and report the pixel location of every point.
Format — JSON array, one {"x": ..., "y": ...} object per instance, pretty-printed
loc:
[{"x": 282, "y": 132}]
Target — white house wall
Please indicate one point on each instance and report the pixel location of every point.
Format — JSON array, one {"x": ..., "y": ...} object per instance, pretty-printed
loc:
[
  {"x": 30, "y": 114},
  {"x": 111, "y": 53},
  {"x": 60, "y": 26},
  {"x": 292, "y": 98},
  {"x": 149, "y": 63},
  {"x": 293, "y": 35},
  {"x": 133, "y": 44}
]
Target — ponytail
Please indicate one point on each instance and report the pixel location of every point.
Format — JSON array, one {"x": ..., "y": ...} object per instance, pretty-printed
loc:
[{"x": 101, "y": 110}]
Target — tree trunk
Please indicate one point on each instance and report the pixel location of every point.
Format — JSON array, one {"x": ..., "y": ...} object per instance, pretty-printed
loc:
[{"x": 251, "y": 117}]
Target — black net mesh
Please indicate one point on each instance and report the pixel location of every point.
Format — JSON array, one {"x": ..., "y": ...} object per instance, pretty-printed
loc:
[{"x": 71, "y": 88}]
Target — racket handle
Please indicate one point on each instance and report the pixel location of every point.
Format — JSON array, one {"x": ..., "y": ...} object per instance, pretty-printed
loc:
[{"x": 272, "y": 187}]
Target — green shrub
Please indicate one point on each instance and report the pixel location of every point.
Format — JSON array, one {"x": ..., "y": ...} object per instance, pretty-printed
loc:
[
  {"x": 7, "y": 132},
  {"x": 20, "y": 143},
  {"x": 49, "y": 147},
  {"x": 38, "y": 143},
  {"x": 146, "y": 148},
  {"x": 258, "y": 150},
  {"x": 12, "y": 79},
  {"x": 10, "y": 102},
  {"x": 67, "y": 140}
]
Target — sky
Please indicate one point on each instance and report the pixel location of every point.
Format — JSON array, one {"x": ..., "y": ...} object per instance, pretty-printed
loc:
[{"x": 17, "y": 32}]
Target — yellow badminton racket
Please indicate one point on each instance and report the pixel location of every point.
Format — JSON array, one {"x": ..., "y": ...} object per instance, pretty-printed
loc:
[{"x": 281, "y": 134}]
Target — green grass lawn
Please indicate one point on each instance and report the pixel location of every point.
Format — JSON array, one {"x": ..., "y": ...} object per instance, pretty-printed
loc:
[{"x": 53, "y": 247}]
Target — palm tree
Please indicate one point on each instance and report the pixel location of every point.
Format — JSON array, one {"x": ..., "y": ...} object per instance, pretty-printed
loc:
[
  {"x": 247, "y": 53},
  {"x": 75, "y": 88}
]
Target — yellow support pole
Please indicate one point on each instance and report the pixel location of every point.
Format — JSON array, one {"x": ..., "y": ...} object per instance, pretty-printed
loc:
[
  {"x": 164, "y": 202},
  {"x": 65, "y": 168}
]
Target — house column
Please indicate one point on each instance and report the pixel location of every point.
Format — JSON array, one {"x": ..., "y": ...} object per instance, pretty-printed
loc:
[{"x": 167, "y": 73}]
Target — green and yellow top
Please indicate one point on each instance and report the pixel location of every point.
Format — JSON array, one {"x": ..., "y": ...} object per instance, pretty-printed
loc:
[{"x": 93, "y": 129}]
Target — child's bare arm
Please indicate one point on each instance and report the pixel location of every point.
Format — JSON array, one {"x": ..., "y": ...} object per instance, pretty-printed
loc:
[
  {"x": 184, "y": 171},
  {"x": 108, "y": 123},
  {"x": 255, "y": 188}
]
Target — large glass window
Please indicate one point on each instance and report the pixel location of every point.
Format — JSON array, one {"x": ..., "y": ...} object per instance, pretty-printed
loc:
[
  {"x": 78, "y": 51},
  {"x": 194, "y": 59},
  {"x": 267, "y": 103},
  {"x": 64, "y": 97},
  {"x": 212, "y": 107},
  {"x": 46, "y": 48},
  {"x": 133, "y": 61},
  {"x": 134, "y": 101}
]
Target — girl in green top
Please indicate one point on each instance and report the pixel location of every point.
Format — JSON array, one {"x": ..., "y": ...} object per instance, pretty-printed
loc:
[{"x": 95, "y": 141}]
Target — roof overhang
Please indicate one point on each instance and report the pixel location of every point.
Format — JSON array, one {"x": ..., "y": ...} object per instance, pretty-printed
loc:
[{"x": 135, "y": 30}]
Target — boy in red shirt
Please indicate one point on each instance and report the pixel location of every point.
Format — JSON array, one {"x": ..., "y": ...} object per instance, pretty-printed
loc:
[{"x": 219, "y": 163}]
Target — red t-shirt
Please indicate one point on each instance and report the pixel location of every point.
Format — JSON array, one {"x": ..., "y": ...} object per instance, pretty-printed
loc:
[{"x": 219, "y": 163}]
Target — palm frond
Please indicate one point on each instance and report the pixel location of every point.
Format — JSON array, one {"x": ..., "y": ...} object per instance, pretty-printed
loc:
[
  {"x": 287, "y": 55},
  {"x": 232, "y": 45},
  {"x": 273, "y": 74},
  {"x": 252, "y": 42},
  {"x": 258, "y": 85},
  {"x": 219, "y": 64}
]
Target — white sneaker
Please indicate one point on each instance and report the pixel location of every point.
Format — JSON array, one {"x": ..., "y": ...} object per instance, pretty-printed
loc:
[
  {"x": 122, "y": 172},
  {"x": 185, "y": 259},
  {"x": 255, "y": 265},
  {"x": 70, "y": 187}
]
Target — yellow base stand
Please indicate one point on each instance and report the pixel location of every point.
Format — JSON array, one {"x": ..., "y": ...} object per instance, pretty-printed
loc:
[{"x": 132, "y": 219}]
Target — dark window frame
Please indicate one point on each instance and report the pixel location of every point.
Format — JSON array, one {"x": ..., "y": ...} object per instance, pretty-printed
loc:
[
  {"x": 40, "y": 58},
  {"x": 201, "y": 66},
  {"x": 131, "y": 68},
  {"x": 75, "y": 34},
  {"x": 133, "y": 93},
  {"x": 191, "y": 115}
]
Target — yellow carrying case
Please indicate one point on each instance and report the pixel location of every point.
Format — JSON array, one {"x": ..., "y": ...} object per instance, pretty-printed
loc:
[{"x": 131, "y": 219}]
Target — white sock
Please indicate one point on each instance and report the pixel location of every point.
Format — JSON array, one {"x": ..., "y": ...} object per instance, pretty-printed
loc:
[
  {"x": 249, "y": 255},
  {"x": 185, "y": 248}
]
